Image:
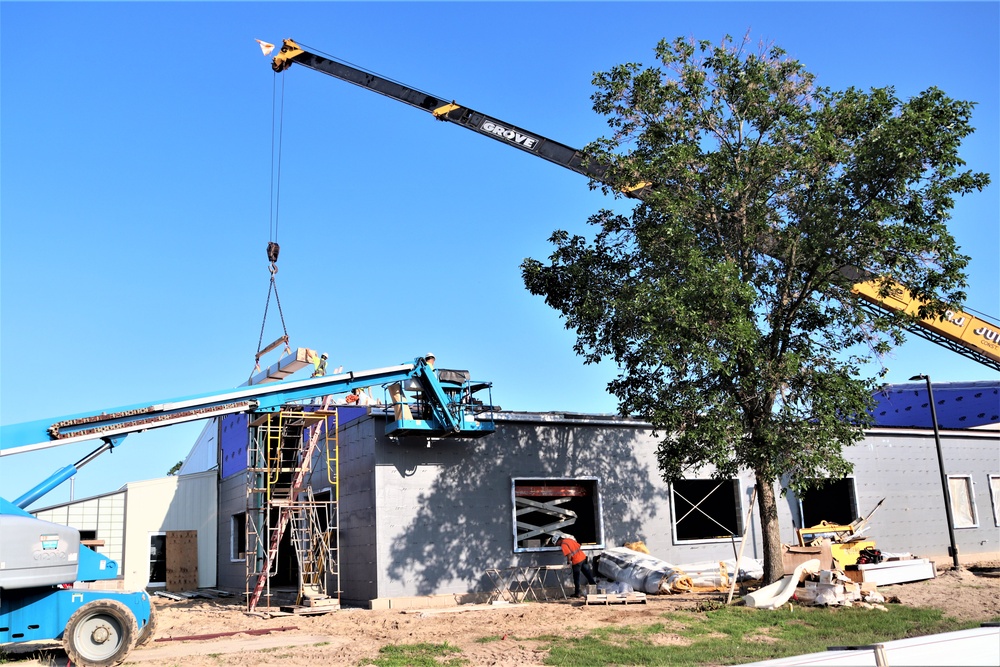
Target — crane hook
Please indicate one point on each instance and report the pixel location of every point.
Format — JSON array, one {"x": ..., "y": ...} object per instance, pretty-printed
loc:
[{"x": 272, "y": 255}]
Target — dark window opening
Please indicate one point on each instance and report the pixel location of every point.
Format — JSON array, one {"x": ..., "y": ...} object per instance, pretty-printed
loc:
[
  {"x": 88, "y": 535},
  {"x": 706, "y": 509},
  {"x": 287, "y": 572},
  {"x": 543, "y": 507},
  {"x": 238, "y": 538},
  {"x": 834, "y": 502},
  {"x": 324, "y": 510},
  {"x": 158, "y": 559}
]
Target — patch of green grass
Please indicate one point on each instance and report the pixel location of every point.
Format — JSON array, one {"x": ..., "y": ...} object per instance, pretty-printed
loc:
[
  {"x": 735, "y": 635},
  {"x": 417, "y": 655}
]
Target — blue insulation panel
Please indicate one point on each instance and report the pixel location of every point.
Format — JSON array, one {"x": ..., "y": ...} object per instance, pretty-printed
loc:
[
  {"x": 234, "y": 436},
  {"x": 958, "y": 405}
]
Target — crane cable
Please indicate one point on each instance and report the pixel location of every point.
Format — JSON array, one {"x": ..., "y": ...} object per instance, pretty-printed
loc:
[{"x": 272, "y": 244}]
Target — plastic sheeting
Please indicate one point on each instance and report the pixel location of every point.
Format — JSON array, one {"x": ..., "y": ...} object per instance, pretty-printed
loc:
[
  {"x": 719, "y": 573},
  {"x": 642, "y": 572}
]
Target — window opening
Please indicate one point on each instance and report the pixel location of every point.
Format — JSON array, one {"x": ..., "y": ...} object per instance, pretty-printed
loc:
[
  {"x": 834, "y": 501},
  {"x": 542, "y": 507},
  {"x": 706, "y": 509},
  {"x": 963, "y": 501},
  {"x": 995, "y": 497}
]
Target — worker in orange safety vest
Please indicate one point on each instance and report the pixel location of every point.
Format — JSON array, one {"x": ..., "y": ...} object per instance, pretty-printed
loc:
[{"x": 576, "y": 558}]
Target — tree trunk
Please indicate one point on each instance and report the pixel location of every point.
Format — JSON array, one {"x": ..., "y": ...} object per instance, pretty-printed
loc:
[{"x": 770, "y": 530}]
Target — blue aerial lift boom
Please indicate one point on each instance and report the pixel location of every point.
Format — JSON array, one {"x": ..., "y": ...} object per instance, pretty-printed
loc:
[{"x": 40, "y": 561}]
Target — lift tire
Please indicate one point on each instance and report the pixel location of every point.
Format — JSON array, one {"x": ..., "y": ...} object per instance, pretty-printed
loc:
[
  {"x": 100, "y": 634},
  {"x": 146, "y": 634}
]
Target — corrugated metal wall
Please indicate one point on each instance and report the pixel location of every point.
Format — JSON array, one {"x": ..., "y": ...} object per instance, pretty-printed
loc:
[
  {"x": 187, "y": 502},
  {"x": 103, "y": 514},
  {"x": 902, "y": 467}
]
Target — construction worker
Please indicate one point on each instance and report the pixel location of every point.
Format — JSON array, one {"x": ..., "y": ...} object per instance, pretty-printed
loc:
[
  {"x": 577, "y": 560},
  {"x": 429, "y": 359},
  {"x": 360, "y": 396},
  {"x": 320, "y": 366}
]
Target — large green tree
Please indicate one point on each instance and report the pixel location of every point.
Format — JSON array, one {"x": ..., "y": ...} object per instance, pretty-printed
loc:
[{"x": 725, "y": 295}]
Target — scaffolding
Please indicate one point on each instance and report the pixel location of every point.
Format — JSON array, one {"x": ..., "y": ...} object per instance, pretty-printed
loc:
[{"x": 285, "y": 448}]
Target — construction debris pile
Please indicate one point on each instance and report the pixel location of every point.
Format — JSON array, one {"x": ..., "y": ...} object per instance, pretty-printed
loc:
[
  {"x": 836, "y": 565},
  {"x": 833, "y": 565},
  {"x": 644, "y": 572},
  {"x": 811, "y": 585}
]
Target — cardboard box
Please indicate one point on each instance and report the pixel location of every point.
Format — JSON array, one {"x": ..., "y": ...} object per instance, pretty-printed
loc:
[{"x": 792, "y": 557}]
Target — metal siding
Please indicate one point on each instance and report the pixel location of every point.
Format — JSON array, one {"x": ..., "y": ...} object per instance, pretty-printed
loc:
[
  {"x": 105, "y": 514},
  {"x": 903, "y": 468},
  {"x": 187, "y": 502},
  {"x": 232, "y": 500}
]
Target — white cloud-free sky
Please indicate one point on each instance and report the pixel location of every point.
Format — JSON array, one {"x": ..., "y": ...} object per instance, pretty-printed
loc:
[{"x": 136, "y": 190}]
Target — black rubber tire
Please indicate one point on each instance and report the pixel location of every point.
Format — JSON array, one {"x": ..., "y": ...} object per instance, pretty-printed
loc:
[
  {"x": 146, "y": 634},
  {"x": 100, "y": 634}
]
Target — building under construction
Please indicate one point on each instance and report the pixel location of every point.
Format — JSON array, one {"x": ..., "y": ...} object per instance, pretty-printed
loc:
[{"x": 423, "y": 519}]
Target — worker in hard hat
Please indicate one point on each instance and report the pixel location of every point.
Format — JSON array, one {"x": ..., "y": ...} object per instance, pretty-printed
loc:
[
  {"x": 319, "y": 366},
  {"x": 429, "y": 359},
  {"x": 577, "y": 559}
]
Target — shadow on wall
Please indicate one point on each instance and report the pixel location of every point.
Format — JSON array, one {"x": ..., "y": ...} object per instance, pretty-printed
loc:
[{"x": 463, "y": 525}]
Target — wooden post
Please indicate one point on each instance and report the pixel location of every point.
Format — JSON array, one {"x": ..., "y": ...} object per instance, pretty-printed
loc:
[{"x": 739, "y": 556}]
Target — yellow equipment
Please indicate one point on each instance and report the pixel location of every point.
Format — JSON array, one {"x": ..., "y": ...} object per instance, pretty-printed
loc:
[{"x": 845, "y": 541}]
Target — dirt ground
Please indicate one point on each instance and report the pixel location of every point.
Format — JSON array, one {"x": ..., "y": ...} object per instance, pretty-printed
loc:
[{"x": 354, "y": 636}]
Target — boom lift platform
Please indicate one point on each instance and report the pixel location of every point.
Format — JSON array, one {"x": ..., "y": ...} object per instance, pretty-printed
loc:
[
  {"x": 972, "y": 337},
  {"x": 42, "y": 561}
]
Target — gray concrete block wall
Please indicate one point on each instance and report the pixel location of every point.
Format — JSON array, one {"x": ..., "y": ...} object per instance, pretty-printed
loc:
[
  {"x": 440, "y": 518},
  {"x": 357, "y": 507},
  {"x": 421, "y": 518},
  {"x": 445, "y": 513}
]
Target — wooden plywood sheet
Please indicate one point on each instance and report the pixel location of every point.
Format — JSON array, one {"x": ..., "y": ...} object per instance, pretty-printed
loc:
[{"x": 182, "y": 560}]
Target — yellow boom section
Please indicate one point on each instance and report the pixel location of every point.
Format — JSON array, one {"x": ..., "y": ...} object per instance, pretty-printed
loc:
[{"x": 962, "y": 328}]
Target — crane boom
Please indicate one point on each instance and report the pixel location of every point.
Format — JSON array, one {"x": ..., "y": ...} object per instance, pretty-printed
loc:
[
  {"x": 965, "y": 334},
  {"x": 502, "y": 131}
]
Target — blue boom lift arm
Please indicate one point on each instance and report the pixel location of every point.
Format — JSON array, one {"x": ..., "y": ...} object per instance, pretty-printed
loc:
[{"x": 41, "y": 560}]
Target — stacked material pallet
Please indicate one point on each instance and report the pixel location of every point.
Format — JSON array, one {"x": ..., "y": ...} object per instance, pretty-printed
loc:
[{"x": 616, "y": 598}]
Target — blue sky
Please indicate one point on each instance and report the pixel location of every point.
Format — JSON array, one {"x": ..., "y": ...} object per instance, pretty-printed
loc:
[{"x": 136, "y": 190}]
